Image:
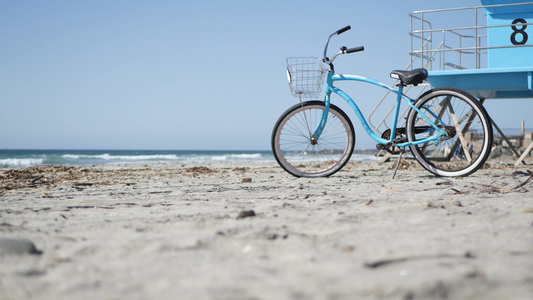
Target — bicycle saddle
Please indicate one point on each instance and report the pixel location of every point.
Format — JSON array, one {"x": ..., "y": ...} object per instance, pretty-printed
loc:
[{"x": 413, "y": 77}]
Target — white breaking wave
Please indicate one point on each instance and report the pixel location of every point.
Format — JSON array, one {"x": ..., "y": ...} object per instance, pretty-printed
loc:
[
  {"x": 236, "y": 157},
  {"x": 20, "y": 162},
  {"x": 57, "y": 157},
  {"x": 107, "y": 156},
  {"x": 191, "y": 157}
]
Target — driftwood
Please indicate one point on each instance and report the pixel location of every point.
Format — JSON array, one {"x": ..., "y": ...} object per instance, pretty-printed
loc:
[{"x": 525, "y": 182}]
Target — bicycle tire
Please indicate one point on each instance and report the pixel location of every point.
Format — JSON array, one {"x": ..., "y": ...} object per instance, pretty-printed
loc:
[
  {"x": 469, "y": 140},
  {"x": 292, "y": 146}
]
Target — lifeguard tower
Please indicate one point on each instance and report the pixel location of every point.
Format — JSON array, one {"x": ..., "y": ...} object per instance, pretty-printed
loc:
[{"x": 485, "y": 50}]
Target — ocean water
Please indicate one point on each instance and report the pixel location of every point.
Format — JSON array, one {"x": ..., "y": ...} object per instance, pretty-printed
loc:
[{"x": 25, "y": 158}]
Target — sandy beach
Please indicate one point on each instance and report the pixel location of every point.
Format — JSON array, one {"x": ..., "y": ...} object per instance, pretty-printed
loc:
[{"x": 252, "y": 231}]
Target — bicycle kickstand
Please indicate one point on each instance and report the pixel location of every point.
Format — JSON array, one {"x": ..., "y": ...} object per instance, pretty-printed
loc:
[{"x": 402, "y": 151}]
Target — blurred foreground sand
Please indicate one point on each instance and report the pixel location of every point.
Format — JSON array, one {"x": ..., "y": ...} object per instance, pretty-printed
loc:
[{"x": 252, "y": 231}]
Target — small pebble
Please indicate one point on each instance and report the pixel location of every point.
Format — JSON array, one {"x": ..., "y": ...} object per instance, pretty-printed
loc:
[
  {"x": 10, "y": 246},
  {"x": 457, "y": 203},
  {"x": 245, "y": 214}
]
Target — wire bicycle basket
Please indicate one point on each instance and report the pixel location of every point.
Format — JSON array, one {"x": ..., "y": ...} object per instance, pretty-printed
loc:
[{"x": 306, "y": 76}]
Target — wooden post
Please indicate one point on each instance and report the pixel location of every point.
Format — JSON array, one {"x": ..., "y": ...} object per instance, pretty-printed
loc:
[
  {"x": 464, "y": 142},
  {"x": 529, "y": 148}
]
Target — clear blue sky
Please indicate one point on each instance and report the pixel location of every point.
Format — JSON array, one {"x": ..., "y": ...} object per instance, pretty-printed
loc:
[{"x": 124, "y": 74}]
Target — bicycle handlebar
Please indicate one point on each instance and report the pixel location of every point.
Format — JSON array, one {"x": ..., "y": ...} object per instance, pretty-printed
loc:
[
  {"x": 344, "y": 50},
  {"x": 343, "y": 29},
  {"x": 356, "y": 49},
  {"x": 326, "y": 59}
]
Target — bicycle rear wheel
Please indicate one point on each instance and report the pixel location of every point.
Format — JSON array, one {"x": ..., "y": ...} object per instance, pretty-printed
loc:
[
  {"x": 297, "y": 154},
  {"x": 469, "y": 132}
]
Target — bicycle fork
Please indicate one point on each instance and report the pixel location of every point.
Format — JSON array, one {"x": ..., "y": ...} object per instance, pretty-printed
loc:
[{"x": 317, "y": 132}]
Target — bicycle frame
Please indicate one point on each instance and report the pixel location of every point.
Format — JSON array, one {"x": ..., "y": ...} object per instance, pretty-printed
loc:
[{"x": 330, "y": 88}]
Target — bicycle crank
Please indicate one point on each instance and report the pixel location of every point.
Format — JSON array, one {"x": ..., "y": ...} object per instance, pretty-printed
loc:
[{"x": 390, "y": 147}]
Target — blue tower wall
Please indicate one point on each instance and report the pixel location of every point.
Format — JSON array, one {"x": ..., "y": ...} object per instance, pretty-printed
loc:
[{"x": 514, "y": 36}]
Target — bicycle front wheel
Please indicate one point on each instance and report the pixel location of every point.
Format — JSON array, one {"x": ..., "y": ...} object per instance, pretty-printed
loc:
[
  {"x": 298, "y": 154},
  {"x": 468, "y": 140}
]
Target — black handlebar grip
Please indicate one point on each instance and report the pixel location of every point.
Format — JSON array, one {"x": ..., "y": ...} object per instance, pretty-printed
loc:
[
  {"x": 356, "y": 49},
  {"x": 344, "y": 29}
]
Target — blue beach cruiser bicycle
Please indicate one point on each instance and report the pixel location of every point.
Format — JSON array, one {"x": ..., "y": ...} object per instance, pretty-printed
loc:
[{"x": 447, "y": 130}]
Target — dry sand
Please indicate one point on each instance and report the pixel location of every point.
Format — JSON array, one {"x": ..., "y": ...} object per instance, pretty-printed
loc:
[{"x": 252, "y": 231}]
